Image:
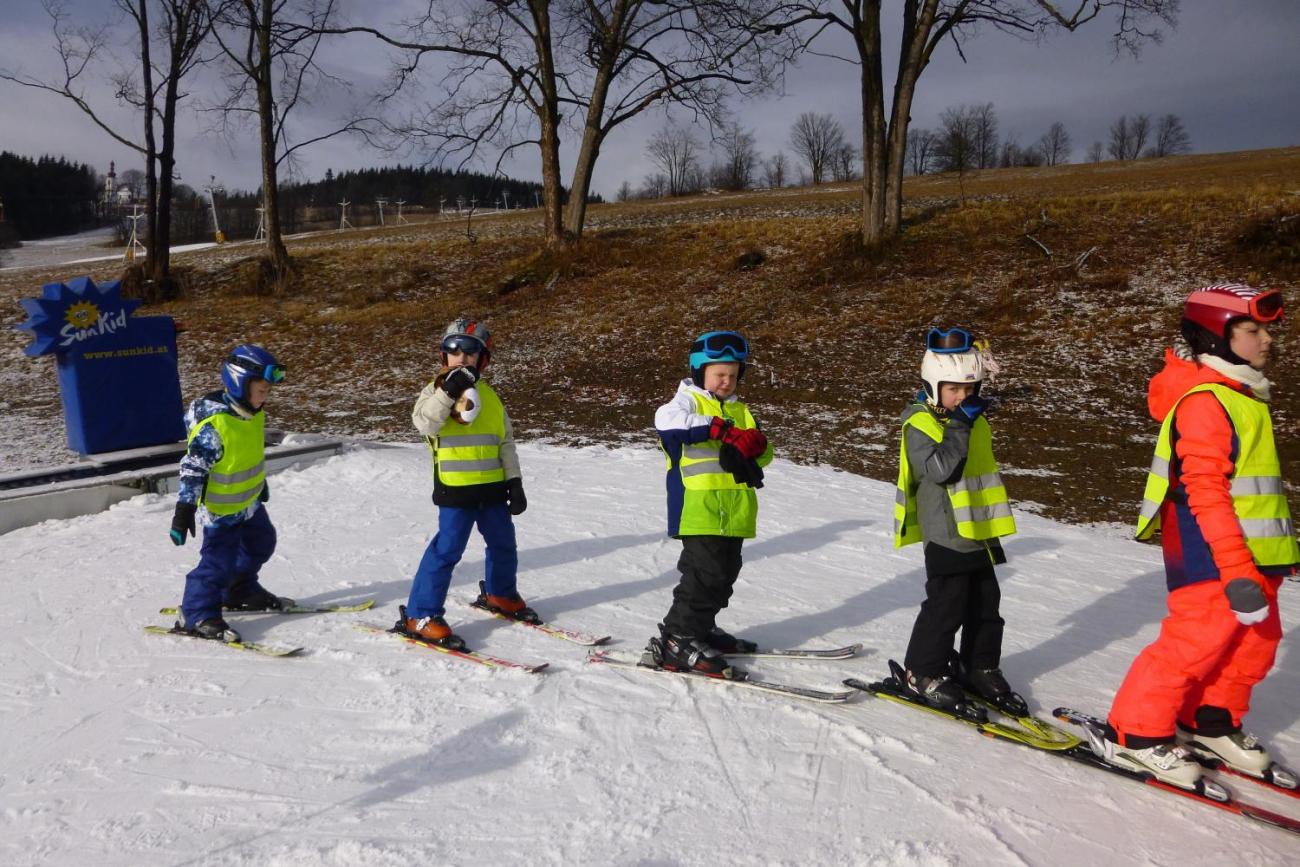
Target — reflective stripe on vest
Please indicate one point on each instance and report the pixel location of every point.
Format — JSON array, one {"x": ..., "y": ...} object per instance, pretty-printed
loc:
[
  {"x": 235, "y": 481},
  {"x": 470, "y": 454},
  {"x": 1258, "y": 496},
  {"x": 979, "y": 498}
]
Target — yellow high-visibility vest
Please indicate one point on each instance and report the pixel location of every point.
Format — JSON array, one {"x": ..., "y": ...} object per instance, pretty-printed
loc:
[
  {"x": 235, "y": 481},
  {"x": 1258, "y": 497},
  {"x": 979, "y": 499},
  {"x": 470, "y": 454}
]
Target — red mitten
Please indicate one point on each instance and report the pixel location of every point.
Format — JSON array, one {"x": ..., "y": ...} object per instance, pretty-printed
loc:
[
  {"x": 750, "y": 442},
  {"x": 719, "y": 428}
]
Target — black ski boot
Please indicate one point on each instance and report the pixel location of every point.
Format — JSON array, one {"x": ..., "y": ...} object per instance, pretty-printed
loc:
[
  {"x": 681, "y": 653},
  {"x": 989, "y": 685},
  {"x": 942, "y": 693},
  {"x": 514, "y": 608},
  {"x": 725, "y": 642},
  {"x": 257, "y": 598},
  {"x": 213, "y": 629}
]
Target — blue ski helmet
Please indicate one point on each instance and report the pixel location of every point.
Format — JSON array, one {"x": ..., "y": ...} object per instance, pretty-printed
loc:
[
  {"x": 245, "y": 363},
  {"x": 712, "y": 347}
]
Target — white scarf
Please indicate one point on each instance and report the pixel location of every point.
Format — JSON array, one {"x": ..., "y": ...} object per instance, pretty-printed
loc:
[{"x": 1243, "y": 373}]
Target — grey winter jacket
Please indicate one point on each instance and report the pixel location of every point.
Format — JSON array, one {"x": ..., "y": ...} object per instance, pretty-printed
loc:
[{"x": 934, "y": 465}]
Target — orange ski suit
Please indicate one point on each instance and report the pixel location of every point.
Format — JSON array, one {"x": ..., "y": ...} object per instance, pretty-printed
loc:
[{"x": 1204, "y": 658}]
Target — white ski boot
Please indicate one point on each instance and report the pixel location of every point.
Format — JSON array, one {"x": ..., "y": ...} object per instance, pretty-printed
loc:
[
  {"x": 1242, "y": 752},
  {"x": 1168, "y": 763}
]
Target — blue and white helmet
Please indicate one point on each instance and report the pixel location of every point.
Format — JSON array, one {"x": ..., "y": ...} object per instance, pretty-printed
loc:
[
  {"x": 713, "y": 347},
  {"x": 247, "y": 362}
]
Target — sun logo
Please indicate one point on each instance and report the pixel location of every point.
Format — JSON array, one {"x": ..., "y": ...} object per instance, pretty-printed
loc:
[{"x": 82, "y": 315}]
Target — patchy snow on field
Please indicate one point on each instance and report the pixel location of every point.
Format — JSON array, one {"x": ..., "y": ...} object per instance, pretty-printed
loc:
[{"x": 125, "y": 748}]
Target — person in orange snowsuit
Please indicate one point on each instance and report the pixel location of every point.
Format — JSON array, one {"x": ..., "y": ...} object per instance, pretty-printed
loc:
[{"x": 1215, "y": 492}]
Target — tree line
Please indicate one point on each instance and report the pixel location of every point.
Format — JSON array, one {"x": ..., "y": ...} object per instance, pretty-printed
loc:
[
  {"x": 47, "y": 195},
  {"x": 519, "y": 76}
]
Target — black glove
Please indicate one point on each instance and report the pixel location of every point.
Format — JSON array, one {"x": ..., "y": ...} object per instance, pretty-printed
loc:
[
  {"x": 265, "y": 494},
  {"x": 515, "y": 498},
  {"x": 970, "y": 409},
  {"x": 745, "y": 471},
  {"x": 1247, "y": 600},
  {"x": 458, "y": 380},
  {"x": 183, "y": 522}
]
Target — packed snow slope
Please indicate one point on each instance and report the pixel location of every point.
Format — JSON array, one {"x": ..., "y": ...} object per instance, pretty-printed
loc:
[{"x": 123, "y": 748}]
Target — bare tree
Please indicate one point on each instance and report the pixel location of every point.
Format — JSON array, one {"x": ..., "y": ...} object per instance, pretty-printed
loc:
[
  {"x": 740, "y": 158},
  {"x": 954, "y": 149},
  {"x": 1094, "y": 152},
  {"x": 774, "y": 172},
  {"x": 654, "y": 186},
  {"x": 625, "y": 192},
  {"x": 271, "y": 48},
  {"x": 1055, "y": 145},
  {"x": 984, "y": 135},
  {"x": 925, "y": 25},
  {"x": 675, "y": 150},
  {"x": 1171, "y": 138},
  {"x": 844, "y": 163},
  {"x": 167, "y": 36},
  {"x": 517, "y": 68},
  {"x": 1128, "y": 136},
  {"x": 920, "y": 150},
  {"x": 816, "y": 138}
]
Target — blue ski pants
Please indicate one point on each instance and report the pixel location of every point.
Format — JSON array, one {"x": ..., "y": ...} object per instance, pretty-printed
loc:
[
  {"x": 231, "y": 555},
  {"x": 433, "y": 576}
]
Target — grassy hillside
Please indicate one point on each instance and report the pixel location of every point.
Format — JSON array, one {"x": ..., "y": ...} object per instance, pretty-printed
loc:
[{"x": 1075, "y": 273}]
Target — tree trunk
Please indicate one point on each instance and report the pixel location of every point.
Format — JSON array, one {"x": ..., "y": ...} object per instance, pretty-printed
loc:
[
  {"x": 593, "y": 136},
  {"x": 873, "y": 126},
  {"x": 166, "y": 170},
  {"x": 276, "y": 254},
  {"x": 156, "y": 248},
  {"x": 548, "y": 112},
  {"x": 912, "y": 59}
]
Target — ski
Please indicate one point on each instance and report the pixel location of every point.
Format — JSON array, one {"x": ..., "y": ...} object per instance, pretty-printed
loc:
[
  {"x": 604, "y": 657},
  {"x": 801, "y": 653},
  {"x": 1223, "y": 767},
  {"x": 1212, "y": 794},
  {"x": 584, "y": 638},
  {"x": 467, "y": 655},
  {"x": 256, "y": 647},
  {"x": 1028, "y": 731},
  {"x": 292, "y": 609}
]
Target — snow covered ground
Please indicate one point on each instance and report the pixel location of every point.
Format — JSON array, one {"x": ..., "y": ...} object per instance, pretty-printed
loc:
[{"x": 129, "y": 749}]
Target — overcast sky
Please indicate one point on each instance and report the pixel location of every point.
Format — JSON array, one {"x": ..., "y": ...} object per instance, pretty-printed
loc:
[{"x": 1231, "y": 70}]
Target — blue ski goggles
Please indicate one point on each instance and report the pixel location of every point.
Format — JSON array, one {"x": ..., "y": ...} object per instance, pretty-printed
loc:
[
  {"x": 717, "y": 344},
  {"x": 461, "y": 343},
  {"x": 272, "y": 373},
  {"x": 950, "y": 341}
]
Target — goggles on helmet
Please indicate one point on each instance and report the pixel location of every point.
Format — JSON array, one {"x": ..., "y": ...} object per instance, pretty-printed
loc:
[
  {"x": 950, "y": 341},
  {"x": 716, "y": 344},
  {"x": 1266, "y": 307},
  {"x": 461, "y": 343},
  {"x": 272, "y": 373}
]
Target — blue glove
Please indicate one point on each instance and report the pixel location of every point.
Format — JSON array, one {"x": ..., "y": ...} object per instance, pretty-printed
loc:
[{"x": 970, "y": 409}]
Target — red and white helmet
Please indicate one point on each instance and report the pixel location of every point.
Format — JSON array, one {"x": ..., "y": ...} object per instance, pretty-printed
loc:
[
  {"x": 469, "y": 335},
  {"x": 1210, "y": 311}
]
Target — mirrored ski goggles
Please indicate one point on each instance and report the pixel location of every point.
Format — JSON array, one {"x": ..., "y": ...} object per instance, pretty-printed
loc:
[
  {"x": 722, "y": 343},
  {"x": 461, "y": 343},
  {"x": 953, "y": 340},
  {"x": 1265, "y": 307},
  {"x": 272, "y": 373}
]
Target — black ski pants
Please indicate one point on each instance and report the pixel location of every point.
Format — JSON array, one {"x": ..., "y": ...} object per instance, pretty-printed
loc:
[
  {"x": 709, "y": 567},
  {"x": 967, "y": 601}
]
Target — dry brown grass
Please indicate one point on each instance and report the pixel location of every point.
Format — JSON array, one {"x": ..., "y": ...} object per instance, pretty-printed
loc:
[{"x": 591, "y": 339}]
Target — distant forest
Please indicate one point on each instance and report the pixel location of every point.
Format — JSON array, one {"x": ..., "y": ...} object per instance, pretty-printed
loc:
[
  {"x": 51, "y": 196},
  {"x": 47, "y": 196}
]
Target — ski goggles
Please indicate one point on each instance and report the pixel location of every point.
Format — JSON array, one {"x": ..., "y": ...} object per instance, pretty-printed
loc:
[
  {"x": 272, "y": 373},
  {"x": 1265, "y": 307},
  {"x": 716, "y": 344},
  {"x": 950, "y": 341},
  {"x": 461, "y": 343}
]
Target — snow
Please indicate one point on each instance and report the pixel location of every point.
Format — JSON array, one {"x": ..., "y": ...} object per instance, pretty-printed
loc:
[{"x": 128, "y": 749}]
